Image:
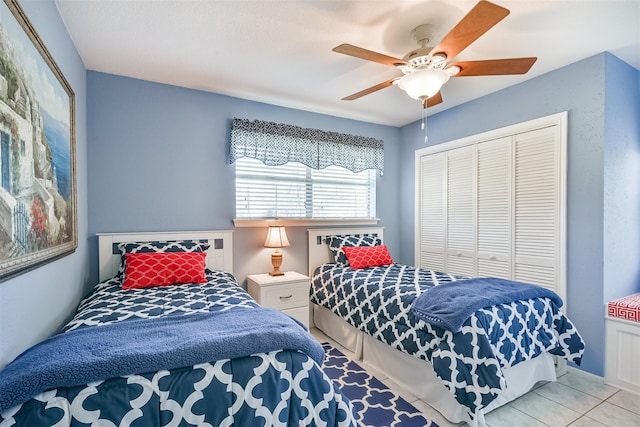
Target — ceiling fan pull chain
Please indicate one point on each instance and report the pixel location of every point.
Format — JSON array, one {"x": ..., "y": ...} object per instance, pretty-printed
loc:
[{"x": 424, "y": 123}]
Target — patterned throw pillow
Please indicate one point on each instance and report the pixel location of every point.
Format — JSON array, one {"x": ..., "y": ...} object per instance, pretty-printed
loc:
[
  {"x": 158, "y": 246},
  {"x": 336, "y": 243},
  {"x": 367, "y": 256},
  {"x": 145, "y": 270}
]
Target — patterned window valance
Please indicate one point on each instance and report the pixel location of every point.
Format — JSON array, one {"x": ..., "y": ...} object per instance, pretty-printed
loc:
[{"x": 277, "y": 144}]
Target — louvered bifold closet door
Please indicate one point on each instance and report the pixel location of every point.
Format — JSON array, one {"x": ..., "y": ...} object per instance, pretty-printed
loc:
[
  {"x": 537, "y": 208},
  {"x": 494, "y": 208},
  {"x": 461, "y": 225},
  {"x": 432, "y": 211}
]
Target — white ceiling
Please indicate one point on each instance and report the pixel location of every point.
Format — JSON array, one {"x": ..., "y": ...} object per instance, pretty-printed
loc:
[{"x": 279, "y": 51}]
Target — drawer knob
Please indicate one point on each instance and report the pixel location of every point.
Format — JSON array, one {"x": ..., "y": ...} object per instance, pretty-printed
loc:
[{"x": 286, "y": 298}]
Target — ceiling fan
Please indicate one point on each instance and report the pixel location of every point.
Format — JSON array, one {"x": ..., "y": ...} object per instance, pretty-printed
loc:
[{"x": 426, "y": 69}]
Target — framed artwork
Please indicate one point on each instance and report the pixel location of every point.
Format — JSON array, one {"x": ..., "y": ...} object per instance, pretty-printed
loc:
[{"x": 38, "y": 219}]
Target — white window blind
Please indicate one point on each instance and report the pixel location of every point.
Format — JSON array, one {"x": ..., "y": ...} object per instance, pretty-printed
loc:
[{"x": 294, "y": 190}]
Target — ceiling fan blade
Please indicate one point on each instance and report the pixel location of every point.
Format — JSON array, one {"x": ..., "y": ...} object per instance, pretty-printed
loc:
[
  {"x": 369, "y": 90},
  {"x": 368, "y": 55},
  {"x": 434, "y": 100},
  {"x": 494, "y": 67},
  {"x": 478, "y": 21}
]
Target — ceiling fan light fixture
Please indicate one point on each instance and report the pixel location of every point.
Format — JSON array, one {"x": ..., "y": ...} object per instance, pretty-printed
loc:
[{"x": 423, "y": 84}]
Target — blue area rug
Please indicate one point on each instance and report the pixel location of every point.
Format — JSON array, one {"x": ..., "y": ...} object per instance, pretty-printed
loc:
[{"x": 374, "y": 404}]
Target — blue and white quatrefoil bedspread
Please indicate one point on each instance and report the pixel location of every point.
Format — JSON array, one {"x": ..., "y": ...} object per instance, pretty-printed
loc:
[
  {"x": 278, "y": 388},
  {"x": 378, "y": 301},
  {"x": 108, "y": 303}
]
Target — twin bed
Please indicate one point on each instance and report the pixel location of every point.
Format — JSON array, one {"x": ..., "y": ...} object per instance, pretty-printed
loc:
[
  {"x": 462, "y": 365},
  {"x": 205, "y": 353},
  {"x": 202, "y": 353}
]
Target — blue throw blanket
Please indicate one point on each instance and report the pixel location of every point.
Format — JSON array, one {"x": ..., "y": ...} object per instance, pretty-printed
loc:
[
  {"x": 96, "y": 353},
  {"x": 449, "y": 305}
]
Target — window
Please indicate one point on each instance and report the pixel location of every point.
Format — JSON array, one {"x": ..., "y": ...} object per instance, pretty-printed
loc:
[
  {"x": 294, "y": 190},
  {"x": 289, "y": 172}
]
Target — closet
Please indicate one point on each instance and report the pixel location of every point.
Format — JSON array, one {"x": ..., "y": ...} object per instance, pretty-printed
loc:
[{"x": 494, "y": 204}]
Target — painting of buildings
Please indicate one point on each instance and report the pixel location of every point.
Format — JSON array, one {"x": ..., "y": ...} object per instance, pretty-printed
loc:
[{"x": 37, "y": 211}]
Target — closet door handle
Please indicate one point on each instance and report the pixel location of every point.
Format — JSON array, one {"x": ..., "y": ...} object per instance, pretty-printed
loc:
[{"x": 492, "y": 257}]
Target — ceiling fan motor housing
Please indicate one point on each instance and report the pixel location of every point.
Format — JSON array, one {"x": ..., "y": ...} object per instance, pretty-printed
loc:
[{"x": 420, "y": 58}]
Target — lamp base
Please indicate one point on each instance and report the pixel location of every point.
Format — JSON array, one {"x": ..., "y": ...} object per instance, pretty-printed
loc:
[
  {"x": 276, "y": 261},
  {"x": 276, "y": 273}
]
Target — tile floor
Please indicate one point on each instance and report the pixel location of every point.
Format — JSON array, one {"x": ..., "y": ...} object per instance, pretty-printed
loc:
[{"x": 577, "y": 399}]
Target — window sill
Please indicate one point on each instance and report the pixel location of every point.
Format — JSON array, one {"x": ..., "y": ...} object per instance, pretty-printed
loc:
[{"x": 304, "y": 222}]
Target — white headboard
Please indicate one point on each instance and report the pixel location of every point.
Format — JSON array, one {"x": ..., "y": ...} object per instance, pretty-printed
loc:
[
  {"x": 319, "y": 252},
  {"x": 219, "y": 255}
]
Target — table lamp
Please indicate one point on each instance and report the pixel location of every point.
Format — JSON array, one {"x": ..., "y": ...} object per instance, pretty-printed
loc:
[{"x": 276, "y": 238}]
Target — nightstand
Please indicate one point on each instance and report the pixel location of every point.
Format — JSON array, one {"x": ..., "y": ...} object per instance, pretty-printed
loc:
[{"x": 288, "y": 293}]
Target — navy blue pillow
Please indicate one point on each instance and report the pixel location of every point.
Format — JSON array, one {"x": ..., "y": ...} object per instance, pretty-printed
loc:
[{"x": 337, "y": 242}]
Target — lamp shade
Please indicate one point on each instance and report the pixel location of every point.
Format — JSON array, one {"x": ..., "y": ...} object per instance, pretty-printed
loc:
[
  {"x": 276, "y": 237},
  {"x": 423, "y": 84}
]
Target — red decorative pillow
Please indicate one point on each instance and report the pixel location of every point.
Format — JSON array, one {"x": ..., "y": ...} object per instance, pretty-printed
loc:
[
  {"x": 145, "y": 270},
  {"x": 367, "y": 256}
]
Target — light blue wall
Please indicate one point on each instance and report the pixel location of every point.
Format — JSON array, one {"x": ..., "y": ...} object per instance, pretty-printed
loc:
[
  {"x": 602, "y": 181},
  {"x": 35, "y": 304},
  {"x": 621, "y": 180},
  {"x": 157, "y": 160}
]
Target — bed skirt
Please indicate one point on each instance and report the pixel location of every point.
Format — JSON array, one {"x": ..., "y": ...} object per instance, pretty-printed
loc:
[{"x": 418, "y": 377}]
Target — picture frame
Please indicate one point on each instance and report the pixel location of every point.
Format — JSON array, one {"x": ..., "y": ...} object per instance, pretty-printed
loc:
[{"x": 38, "y": 214}]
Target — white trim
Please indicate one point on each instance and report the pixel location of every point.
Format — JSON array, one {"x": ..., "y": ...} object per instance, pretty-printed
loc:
[
  {"x": 539, "y": 123},
  {"x": 303, "y": 222},
  {"x": 217, "y": 258},
  {"x": 561, "y": 122}
]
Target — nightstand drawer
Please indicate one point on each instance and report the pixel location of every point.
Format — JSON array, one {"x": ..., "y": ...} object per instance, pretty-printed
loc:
[{"x": 289, "y": 295}]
